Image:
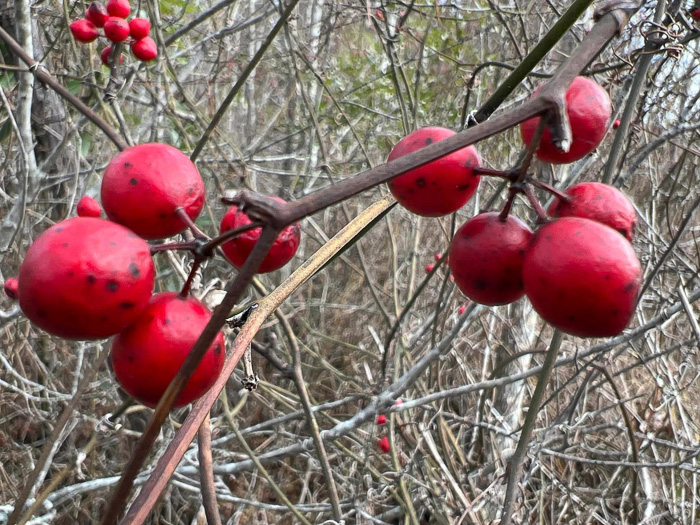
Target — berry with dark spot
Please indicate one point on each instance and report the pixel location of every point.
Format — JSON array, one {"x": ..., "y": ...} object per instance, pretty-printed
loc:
[
  {"x": 11, "y": 287},
  {"x": 116, "y": 29},
  {"x": 147, "y": 355},
  {"x": 77, "y": 293},
  {"x": 589, "y": 109},
  {"x": 88, "y": 207},
  {"x": 582, "y": 277},
  {"x": 598, "y": 202},
  {"x": 97, "y": 14},
  {"x": 119, "y": 8},
  {"x": 145, "y": 49},
  {"x": 144, "y": 185},
  {"x": 237, "y": 250},
  {"x": 140, "y": 27},
  {"x": 486, "y": 258},
  {"x": 84, "y": 31},
  {"x": 440, "y": 187},
  {"x": 384, "y": 445}
]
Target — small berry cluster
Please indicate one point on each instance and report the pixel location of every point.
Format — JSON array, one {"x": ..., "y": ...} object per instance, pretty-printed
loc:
[
  {"x": 112, "y": 20},
  {"x": 579, "y": 271},
  {"x": 383, "y": 442},
  {"x": 91, "y": 278}
]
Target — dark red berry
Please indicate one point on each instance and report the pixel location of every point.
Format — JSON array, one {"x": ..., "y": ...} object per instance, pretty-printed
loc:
[
  {"x": 140, "y": 27},
  {"x": 86, "y": 278},
  {"x": 145, "y": 49},
  {"x": 486, "y": 258},
  {"x": 119, "y": 8},
  {"x": 384, "y": 444},
  {"x": 147, "y": 355},
  {"x": 616, "y": 124},
  {"x": 104, "y": 56},
  {"x": 12, "y": 288},
  {"x": 598, "y": 202},
  {"x": 238, "y": 249},
  {"x": 440, "y": 187},
  {"x": 84, "y": 31},
  {"x": 582, "y": 277},
  {"x": 381, "y": 419},
  {"x": 589, "y": 109},
  {"x": 695, "y": 14},
  {"x": 116, "y": 29},
  {"x": 97, "y": 14},
  {"x": 88, "y": 207},
  {"x": 144, "y": 185}
]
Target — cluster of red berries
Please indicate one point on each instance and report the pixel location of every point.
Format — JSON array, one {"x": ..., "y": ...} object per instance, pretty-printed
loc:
[
  {"x": 383, "y": 442},
  {"x": 579, "y": 271},
  {"x": 112, "y": 20},
  {"x": 91, "y": 278}
]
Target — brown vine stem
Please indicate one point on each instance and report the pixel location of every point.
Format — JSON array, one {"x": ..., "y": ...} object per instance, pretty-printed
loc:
[
  {"x": 49, "y": 81},
  {"x": 160, "y": 476},
  {"x": 206, "y": 473}
]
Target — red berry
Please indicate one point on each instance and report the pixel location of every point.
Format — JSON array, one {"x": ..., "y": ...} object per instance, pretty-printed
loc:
[
  {"x": 116, "y": 29},
  {"x": 381, "y": 419},
  {"x": 88, "y": 207},
  {"x": 589, "y": 110},
  {"x": 84, "y": 31},
  {"x": 616, "y": 124},
  {"x": 145, "y": 49},
  {"x": 384, "y": 444},
  {"x": 598, "y": 202},
  {"x": 86, "y": 278},
  {"x": 438, "y": 256},
  {"x": 461, "y": 309},
  {"x": 104, "y": 56},
  {"x": 440, "y": 187},
  {"x": 11, "y": 287},
  {"x": 144, "y": 185},
  {"x": 140, "y": 27},
  {"x": 486, "y": 258},
  {"x": 398, "y": 402},
  {"x": 582, "y": 277},
  {"x": 119, "y": 8},
  {"x": 147, "y": 355},
  {"x": 97, "y": 14},
  {"x": 429, "y": 268},
  {"x": 238, "y": 249},
  {"x": 695, "y": 14}
]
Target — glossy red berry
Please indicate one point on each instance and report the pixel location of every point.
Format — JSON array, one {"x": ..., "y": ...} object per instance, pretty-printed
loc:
[
  {"x": 384, "y": 445},
  {"x": 144, "y": 185},
  {"x": 582, "y": 277},
  {"x": 147, "y": 355},
  {"x": 84, "y": 31},
  {"x": 589, "y": 109},
  {"x": 97, "y": 14},
  {"x": 440, "y": 187},
  {"x": 616, "y": 124},
  {"x": 598, "y": 202},
  {"x": 695, "y": 14},
  {"x": 86, "y": 278},
  {"x": 104, "y": 56},
  {"x": 119, "y": 8},
  {"x": 145, "y": 49},
  {"x": 429, "y": 268},
  {"x": 116, "y": 29},
  {"x": 381, "y": 419},
  {"x": 11, "y": 287},
  {"x": 88, "y": 207},
  {"x": 140, "y": 27},
  {"x": 238, "y": 249},
  {"x": 486, "y": 258}
]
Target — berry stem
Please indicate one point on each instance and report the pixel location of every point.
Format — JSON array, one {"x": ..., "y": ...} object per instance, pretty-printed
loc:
[
  {"x": 209, "y": 246},
  {"x": 551, "y": 189},
  {"x": 198, "y": 234},
  {"x": 539, "y": 210},
  {"x": 510, "y": 175},
  {"x": 512, "y": 192},
  {"x": 190, "y": 278},
  {"x": 534, "y": 144},
  {"x": 188, "y": 245}
]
